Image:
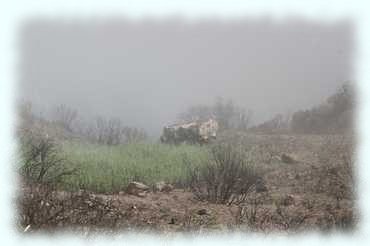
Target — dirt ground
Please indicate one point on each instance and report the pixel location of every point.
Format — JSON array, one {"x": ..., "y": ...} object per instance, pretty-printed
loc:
[{"x": 297, "y": 198}]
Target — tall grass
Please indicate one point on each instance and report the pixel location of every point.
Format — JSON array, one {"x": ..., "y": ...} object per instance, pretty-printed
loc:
[{"x": 111, "y": 168}]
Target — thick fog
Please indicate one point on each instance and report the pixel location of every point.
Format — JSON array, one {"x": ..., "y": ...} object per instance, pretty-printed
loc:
[{"x": 147, "y": 72}]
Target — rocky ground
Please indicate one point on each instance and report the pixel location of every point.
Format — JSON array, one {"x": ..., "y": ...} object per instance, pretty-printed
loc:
[{"x": 301, "y": 194}]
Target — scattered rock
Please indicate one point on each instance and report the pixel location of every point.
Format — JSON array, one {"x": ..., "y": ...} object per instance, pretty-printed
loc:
[
  {"x": 287, "y": 159},
  {"x": 142, "y": 194},
  {"x": 172, "y": 221},
  {"x": 137, "y": 189},
  {"x": 163, "y": 187},
  {"x": 260, "y": 185},
  {"x": 220, "y": 227},
  {"x": 288, "y": 200},
  {"x": 276, "y": 158},
  {"x": 61, "y": 195},
  {"x": 165, "y": 210},
  {"x": 202, "y": 211}
]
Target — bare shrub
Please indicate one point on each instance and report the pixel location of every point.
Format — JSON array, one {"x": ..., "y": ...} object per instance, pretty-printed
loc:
[
  {"x": 41, "y": 160},
  {"x": 287, "y": 220},
  {"x": 65, "y": 116},
  {"x": 225, "y": 112},
  {"x": 44, "y": 208},
  {"x": 256, "y": 214},
  {"x": 26, "y": 116},
  {"x": 108, "y": 131},
  {"x": 112, "y": 131},
  {"x": 336, "y": 176},
  {"x": 226, "y": 177},
  {"x": 133, "y": 135},
  {"x": 252, "y": 212},
  {"x": 337, "y": 218},
  {"x": 194, "y": 223}
]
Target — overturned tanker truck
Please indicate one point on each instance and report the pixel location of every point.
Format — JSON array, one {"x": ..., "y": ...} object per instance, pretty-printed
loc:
[{"x": 196, "y": 132}]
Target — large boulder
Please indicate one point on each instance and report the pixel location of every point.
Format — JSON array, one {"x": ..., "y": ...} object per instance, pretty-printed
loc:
[
  {"x": 289, "y": 159},
  {"x": 191, "y": 132}
]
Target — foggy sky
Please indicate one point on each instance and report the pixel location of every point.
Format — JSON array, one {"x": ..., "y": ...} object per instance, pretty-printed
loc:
[{"x": 147, "y": 72}]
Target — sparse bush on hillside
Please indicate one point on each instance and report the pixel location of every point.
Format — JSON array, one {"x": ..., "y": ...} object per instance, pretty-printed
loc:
[
  {"x": 109, "y": 131},
  {"x": 337, "y": 172},
  {"x": 65, "y": 117},
  {"x": 224, "y": 178},
  {"x": 333, "y": 116},
  {"x": 113, "y": 132},
  {"x": 26, "y": 117},
  {"x": 134, "y": 135},
  {"x": 65, "y": 120},
  {"x": 277, "y": 124}
]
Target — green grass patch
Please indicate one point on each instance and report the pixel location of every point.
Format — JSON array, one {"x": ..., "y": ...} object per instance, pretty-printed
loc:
[{"x": 111, "y": 168}]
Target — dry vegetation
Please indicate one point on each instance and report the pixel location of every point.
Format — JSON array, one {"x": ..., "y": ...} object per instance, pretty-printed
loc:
[
  {"x": 221, "y": 194},
  {"x": 246, "y": 180}
]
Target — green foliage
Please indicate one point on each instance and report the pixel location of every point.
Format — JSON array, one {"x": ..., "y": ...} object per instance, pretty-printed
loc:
[{"x": 110, "y": 168}]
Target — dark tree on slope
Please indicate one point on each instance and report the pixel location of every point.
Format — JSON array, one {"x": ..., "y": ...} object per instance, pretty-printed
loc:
[
  {"x": 334, "y": 115},
  {"x": 276, "y": 124}
]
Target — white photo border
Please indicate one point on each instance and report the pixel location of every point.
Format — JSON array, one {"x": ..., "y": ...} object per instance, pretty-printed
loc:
[{"x": 13, "y": 13}]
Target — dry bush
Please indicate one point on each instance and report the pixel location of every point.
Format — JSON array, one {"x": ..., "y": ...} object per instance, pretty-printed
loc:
[
  {"x": 339, "y": 219},
  {"x": 41, "y": 160},
  {"x": 194, "y": 223},
  {"x": 26, "y": 117},
  {"x": 42, "y": 207},
  {"x": 336, "y": 175},
  {"x": 133, "y": 135},
  {"x": 226, "y": 177},
  {"x": 252, "y": 213},
  {"x": 112, "y": 131},
  {"x": 65, "y": 116},
  {"x": 257, "y": 214},
  {"x": 108, "y": 131},
  {"x": 289, "y": 221}
]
